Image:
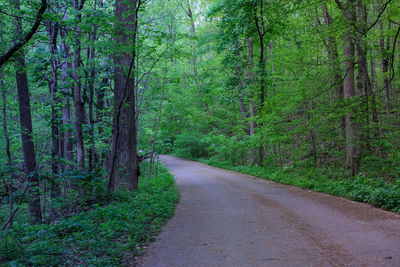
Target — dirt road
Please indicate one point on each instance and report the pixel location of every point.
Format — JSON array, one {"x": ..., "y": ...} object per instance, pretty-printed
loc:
[{"x": 230, "y": 219}]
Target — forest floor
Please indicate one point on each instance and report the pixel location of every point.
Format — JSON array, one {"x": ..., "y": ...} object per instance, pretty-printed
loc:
[{"x": 226, "y": 218}]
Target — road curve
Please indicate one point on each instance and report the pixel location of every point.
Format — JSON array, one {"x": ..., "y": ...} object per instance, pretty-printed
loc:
[{"x": 230, "y": 219}]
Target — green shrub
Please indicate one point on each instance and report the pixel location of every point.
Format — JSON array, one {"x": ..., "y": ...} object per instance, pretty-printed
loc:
[
  {"x": 360, "y": 188},
  {"x": 189, "y": 145},
  {"x": 106, "y": 235}
]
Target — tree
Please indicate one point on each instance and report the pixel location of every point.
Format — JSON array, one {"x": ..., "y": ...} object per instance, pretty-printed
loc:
[
  {"x": 124, "y": 168},
  {"x": 77, "y": 94},
  {"x": 34, "y": 209}
]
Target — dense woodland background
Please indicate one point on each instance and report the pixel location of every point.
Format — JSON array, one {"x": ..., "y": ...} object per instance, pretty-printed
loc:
[{"x": 92, "y": 88}]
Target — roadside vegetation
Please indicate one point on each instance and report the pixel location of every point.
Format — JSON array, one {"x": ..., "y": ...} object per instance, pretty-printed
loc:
[
  {"x": 106, "y": 234},
  {"x": 360, "y": 188}
]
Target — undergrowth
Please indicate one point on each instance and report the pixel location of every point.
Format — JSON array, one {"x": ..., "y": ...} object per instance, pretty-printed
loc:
[
  {"x": 110, "y": 235},
  {"x": 360, "y": 188}
]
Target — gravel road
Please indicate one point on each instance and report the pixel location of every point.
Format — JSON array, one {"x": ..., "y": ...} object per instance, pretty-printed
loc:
[{"x": 230, "y": 219}]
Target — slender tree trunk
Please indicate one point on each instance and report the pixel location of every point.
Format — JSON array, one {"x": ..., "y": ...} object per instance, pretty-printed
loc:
[
  {"x": 100, "y": 105},
  {"x": 52, "y": 29},
  {"x": 66, "y": 110},
  {"x": 77, "y": 95},
  {"x": 157, "y": 124},
  {"x": 363, "y": 80},
  {"x": 333, "y": 57},
  {"x": 313, "y": 135},
  {"x": 252, "y": 111},
  {"x": 385, "y": 66},
  {"x": 373, "y": 74},
  {"x": 91, "y": 56},
  {"x": 261, "y": 31},
  {"x": 189, "y": 13},
  {"x": 34, "y": 209},
  {"x": 271, "y": 48},
  {"x": 240, "y": 87}
]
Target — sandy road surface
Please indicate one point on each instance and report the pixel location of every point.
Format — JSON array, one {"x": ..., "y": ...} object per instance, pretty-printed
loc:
[{"x": 230, "y": 219}]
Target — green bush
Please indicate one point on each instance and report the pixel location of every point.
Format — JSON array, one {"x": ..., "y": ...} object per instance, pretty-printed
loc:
[
  {"x": 109, "y": 235},
  {"x": 360, "y": 188},
  {"x": 189, "y": 145}
]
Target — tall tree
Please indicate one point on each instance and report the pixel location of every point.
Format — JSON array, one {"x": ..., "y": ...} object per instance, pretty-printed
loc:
[
  {"x": 364, "y": 84},
  {"x": 77, "y": 94},
  {"x": 53, "y": 29},
  {"x": 352, "y": 151},
  {"x": 66, "y": 133},
  {"x": 34, "y": 208},
  {"x": 124, "y": 164},
  {"x": 259, "y": 20}
]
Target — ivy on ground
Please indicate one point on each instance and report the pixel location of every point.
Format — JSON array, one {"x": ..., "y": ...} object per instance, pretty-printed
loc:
[{"x": 106, "y": 235}]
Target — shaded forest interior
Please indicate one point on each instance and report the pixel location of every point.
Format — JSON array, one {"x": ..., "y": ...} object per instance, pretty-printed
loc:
[{"x": 89, "y": 89}]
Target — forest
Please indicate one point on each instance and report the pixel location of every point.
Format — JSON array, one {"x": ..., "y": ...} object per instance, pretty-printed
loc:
[{"x": 92, "y": 91}]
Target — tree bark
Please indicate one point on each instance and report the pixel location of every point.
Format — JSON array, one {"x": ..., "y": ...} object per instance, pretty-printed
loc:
[
  {"x": 91, "y": 53},
  {"x": 363, "y": 79},
  {"x": 252, "y": 111},
  {"x": 157, "y": 123},
  {"x": 333, "y": 57},
  {"x": 385, "y": 66},
  {"x": 34, "y": 208},
  {"x": 261, "y": 31},
  {"x": 77, "y": 95},
  {"x": 66, "y": 110},
  {"x": 348, "y": 85},
  {"x": 124, "y": 164},
  {"x": 189, "y": 13},
  {"x": 52, "y": 29}
]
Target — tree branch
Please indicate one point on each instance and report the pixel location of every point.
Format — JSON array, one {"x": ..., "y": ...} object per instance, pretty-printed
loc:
[
  {"x": 340, "y": 5},
  {"x": 382, "y": 9},
  {"x": 187, "y": 13},
  {"x": 21, "y": 43}
]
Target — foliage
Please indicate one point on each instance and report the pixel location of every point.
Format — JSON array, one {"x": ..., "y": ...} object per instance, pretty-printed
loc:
[
  {"x": 105, "y": 235},
  {"x": 363, "y": 189}
]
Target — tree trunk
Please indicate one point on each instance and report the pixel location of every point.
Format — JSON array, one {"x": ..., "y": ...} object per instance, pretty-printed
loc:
[
  {"x": 91, "y": 58},
  {"x": 157, "y": 123},
  {"x": 77, "y": 95},
  {"x": 363, "y": 80},
  {"x": 66, "y": 110},
  {"x": 271, "y": 47},
  {"x": 348, "y": 88},
  {"x": 336, "y": 78},
  {"x": 189, "y": 13},
  {"x": 34, "y": 208},
  {"x": 259, "y": 22},
  {"x": 100, "y": 105},
  {"x": 385, "y": 65},
  {"x": 52, "y": 29},
  {"x": 124, "y": 164},
  {"x": 252, "y": 111}
]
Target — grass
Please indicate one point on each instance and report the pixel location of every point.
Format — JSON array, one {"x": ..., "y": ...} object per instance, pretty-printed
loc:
[
  {"x": 110, "y": 235},
  {"x": 360, "y": 188}
]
